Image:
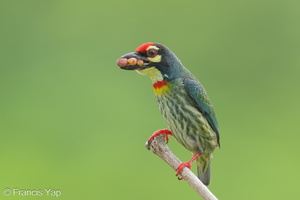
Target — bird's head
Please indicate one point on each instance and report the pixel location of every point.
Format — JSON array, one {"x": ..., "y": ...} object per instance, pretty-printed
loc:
[{"x": 154, "y": 60}]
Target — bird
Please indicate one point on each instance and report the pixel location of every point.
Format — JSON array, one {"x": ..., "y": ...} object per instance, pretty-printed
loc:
[{"x": 182, "y": 101}]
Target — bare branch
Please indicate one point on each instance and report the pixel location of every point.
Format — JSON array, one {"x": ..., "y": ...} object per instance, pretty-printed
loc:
[{"x": 158, "y": 146}]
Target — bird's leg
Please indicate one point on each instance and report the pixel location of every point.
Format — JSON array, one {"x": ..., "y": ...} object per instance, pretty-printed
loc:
[
  {"x": 164, "y": 132},
  {"x": 186, "y": 164}
]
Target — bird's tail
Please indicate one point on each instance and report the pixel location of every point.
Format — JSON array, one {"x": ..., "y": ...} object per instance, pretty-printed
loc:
[{"x": 203, "y": 169}]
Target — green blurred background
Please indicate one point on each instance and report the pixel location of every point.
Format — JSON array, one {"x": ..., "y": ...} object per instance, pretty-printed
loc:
[{"x": 71, "y": 120}]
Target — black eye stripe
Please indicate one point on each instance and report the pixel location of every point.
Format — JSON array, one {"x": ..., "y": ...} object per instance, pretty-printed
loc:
[{"x": 152, "y": 53}]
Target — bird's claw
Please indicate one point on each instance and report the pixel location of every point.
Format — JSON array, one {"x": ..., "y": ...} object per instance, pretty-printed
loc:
[
  {"x": 180, "y": 168},
  {"x": 164, "y": 132},
  {"x": 186, "y": 164}
]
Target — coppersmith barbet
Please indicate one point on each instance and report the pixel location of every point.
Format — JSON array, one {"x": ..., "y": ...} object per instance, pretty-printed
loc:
[{"x": 182, "y": 101}]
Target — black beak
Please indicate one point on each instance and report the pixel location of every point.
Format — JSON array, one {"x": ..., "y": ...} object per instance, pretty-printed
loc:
[{"x": 133, "y": 61}]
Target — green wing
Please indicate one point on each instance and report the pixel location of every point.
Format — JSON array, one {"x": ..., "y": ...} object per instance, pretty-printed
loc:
[{"x": 198, "y": 95}]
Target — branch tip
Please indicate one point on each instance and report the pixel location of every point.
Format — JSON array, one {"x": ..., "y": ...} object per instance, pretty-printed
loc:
[{"x": 158, "y": 146}]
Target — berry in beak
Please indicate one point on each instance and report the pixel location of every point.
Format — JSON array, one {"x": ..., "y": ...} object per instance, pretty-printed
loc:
[{"x": 133, "y": 61}]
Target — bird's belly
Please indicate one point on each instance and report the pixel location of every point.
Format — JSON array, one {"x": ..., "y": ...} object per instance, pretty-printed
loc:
[{"x": 187, "y": 124}]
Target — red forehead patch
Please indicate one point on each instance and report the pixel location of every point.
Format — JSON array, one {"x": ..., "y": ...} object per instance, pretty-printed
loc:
[{"x": 143, "y": 47}]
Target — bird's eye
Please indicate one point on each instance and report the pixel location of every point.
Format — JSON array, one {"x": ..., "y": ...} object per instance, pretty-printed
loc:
[{"x": 152, "y": 53}]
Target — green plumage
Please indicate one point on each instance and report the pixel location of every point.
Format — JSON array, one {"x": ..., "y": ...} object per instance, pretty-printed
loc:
[
  {"x": 190, "y": 118},
  {"x": 202, "y": 102}
]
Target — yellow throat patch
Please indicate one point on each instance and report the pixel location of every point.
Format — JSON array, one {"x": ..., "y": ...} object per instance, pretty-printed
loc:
[{"x": 160, "y": 86}]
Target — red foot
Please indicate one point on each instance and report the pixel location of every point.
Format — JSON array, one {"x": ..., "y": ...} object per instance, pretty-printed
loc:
[
  {"x": 186, "y": 164},
  {"x": 164, "y": 132}
]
